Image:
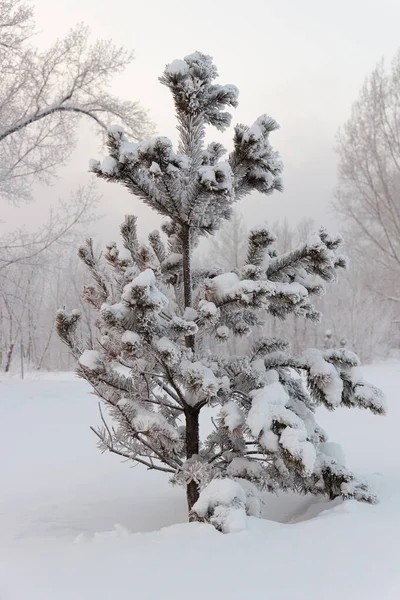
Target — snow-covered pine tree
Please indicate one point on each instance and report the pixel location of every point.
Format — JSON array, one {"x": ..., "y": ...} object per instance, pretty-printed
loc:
[{"x": 152, "y": 365}]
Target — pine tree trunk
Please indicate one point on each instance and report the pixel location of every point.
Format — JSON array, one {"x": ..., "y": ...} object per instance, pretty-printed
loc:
[
  {"x": 187, "y": 276},
  {"x": 191, "y": 414},
  {"x": 192, "y": 448}
]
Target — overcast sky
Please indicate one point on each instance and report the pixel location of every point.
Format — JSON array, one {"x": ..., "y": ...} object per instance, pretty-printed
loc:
[{"x": 300, "y": 61}]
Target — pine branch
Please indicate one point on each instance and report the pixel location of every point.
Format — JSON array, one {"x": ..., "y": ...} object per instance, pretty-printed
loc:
[{"x": 135, "y": 458}]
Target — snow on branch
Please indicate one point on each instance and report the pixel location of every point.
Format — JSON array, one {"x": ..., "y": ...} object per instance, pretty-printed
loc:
[
  {"x": 255, "y": 164},
  {"x": 319, "y": 256},
  {"x": 190, "y": 81}
]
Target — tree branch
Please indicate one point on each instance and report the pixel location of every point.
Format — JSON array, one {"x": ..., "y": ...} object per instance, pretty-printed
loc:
[{"x": 111, "y": 448}]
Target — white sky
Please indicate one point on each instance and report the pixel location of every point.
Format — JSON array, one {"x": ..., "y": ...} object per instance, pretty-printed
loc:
[{"x": 301, "y": 61}]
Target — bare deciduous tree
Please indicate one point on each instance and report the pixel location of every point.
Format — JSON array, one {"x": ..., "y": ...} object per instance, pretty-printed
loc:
[
  {"x": 368, "y": 194},
  {"x": 229, "y": 248},
  {"x": 30, "y": 262},
  {"x": 43, "y": 94},
  {"x": 22, "y": 246},
  {"x": 37, "y": 271}
]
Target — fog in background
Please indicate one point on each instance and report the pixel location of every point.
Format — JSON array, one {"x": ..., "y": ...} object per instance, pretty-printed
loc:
[{"x": 301, "y": 62}]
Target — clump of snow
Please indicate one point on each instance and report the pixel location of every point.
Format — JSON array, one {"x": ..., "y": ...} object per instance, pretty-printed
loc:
[
  {"x": 143, "y": 292},
  {"x": 169, "y": 351},
  {"x": 253, "y": 133},
  {"x": 333, "y": 450},
  {"x": 269, "y": 440},
  {"x": 367, "y": 395},
  {"x": 118, "y": 311},
  {"x": 217, "y": 177},
  {"x": 295, "y": 291},
  {"x": 223, "y": 284},
  {"x": 116, "y": 129},
  {"x": 130, "y": 337},
  {"x": 108, "y": 165},
  {"x": 242, "y": 467},
  {"x": 207, "y": 310},
  {"x": 295, "y": 442},
  {"x": 126, "y": 402},
  {"x": 132, "y": 343},
  {"x": 228, "y": 286},
  {"x": 183, "y": 326},
  {"x": 314, "y": 242},
  {"x": 124, "y": 255},
  {"x": 155, "y": 168},
  {"x": 263, "y": 233},
  {"x": 91, "y": 360},
  {"x": 370, "y": 397},
  {"x": 128, "y": 151},
  {"x": 225, "y": 383},
  {"x": 231, "y": 415},
  {"x": 271, "y": 376},
  {"x": 145, "y": 420},
  {"x": 254, "y": 500},
  {"x": 324, "y": 375},
  {"x": 229, "y": 519},
  {"x": 145, "y": 279},
  {"x": 258, "y": 132},
  {"x": 265, "y": 163},
  {"x": 94, "y": 164},
  {"x": 173, "y": 261},
  {"x": 190, "y": 314},
  {"x": 268, "y": 403},
  {"x": 222, "y": 333},
  {"x": 222, "y": 502},
  {"x": 342, "y": 356},
  {"x": 200, "y": 379},
  {"x": 177, "y": 67}
]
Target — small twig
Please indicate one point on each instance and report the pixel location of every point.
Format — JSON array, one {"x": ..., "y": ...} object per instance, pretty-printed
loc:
[
  {"x": 113, "y": 450},
  {"x": 215, "y": 457},
  {"x": 147, "y": 384},
  {"x": 161, "y": 403},
  {"x": 168, "y": 391},
  {"x": 104, "y": 422},
  {"x": 144, "y": 442},
  {"x": 155, "y": 374}
]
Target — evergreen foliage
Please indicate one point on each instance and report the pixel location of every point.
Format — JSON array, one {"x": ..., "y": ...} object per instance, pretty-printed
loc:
[{"x": 153, "y": 366}]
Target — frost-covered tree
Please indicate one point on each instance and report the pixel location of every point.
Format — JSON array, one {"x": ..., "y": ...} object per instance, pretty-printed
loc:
[
  {"x": 152, "y": 365},
  {"x": 368, "y": 191},
  {"x": 38, "y": 272},
  {"x": 44, "y": 94},
  {"x": 229, "y": 248}
]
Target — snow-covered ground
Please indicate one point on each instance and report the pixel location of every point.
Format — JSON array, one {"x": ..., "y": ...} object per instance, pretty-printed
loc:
[{"x": 78, "y": 525}]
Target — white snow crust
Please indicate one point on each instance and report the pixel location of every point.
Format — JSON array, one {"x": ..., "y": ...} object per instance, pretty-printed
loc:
[{"x": 75, "y": 523}]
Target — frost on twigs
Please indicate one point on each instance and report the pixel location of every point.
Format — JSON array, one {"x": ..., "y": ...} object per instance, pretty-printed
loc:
[
  {"x": 187, "y": 183},
  {"x": 165, "y": 327},
  {"x": 44, "y": 93},
  {"x": 191, "y": 83}
]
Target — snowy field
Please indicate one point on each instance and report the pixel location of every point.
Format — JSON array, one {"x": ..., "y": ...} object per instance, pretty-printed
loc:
[{"x": 78, "y": 525}]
